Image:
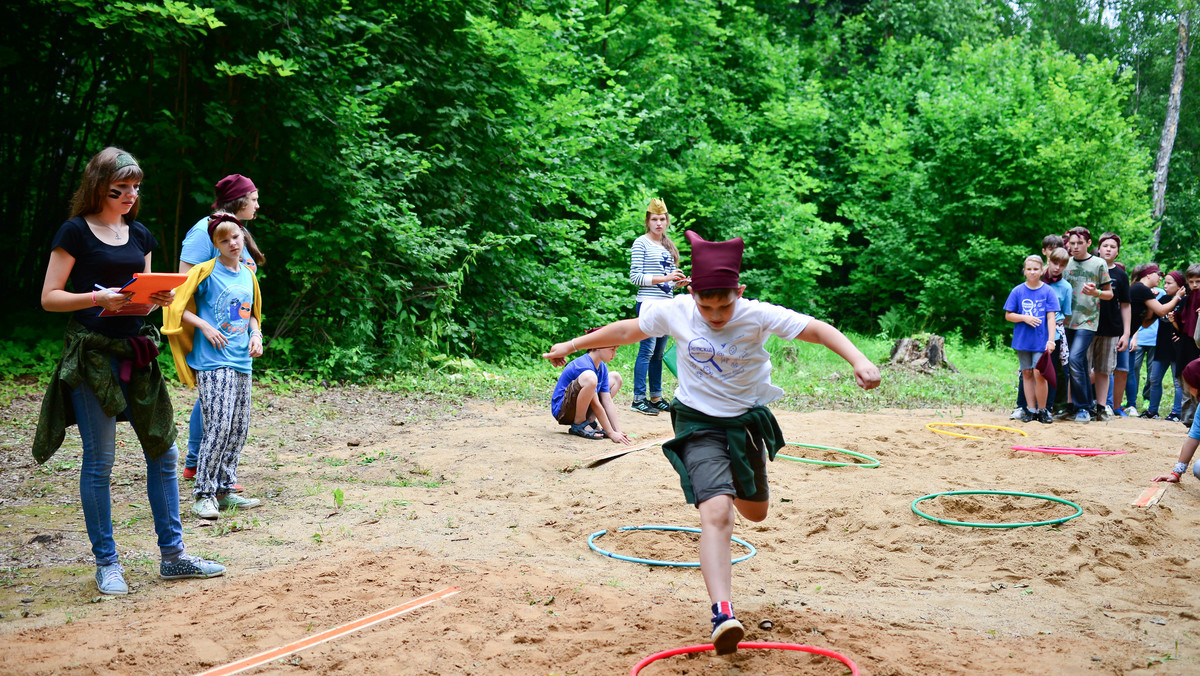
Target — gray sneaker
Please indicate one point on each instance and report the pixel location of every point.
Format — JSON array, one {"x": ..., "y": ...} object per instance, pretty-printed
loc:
[
  {"x": 189, "y": 566},
  {"x": 230, "y": 500},
  {"x": 206, "y": 508},
  {"x": 111, "y": 580}
]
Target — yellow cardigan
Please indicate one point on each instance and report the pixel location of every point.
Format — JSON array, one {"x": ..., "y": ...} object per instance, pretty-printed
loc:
[{"x": 181, "y": 336}]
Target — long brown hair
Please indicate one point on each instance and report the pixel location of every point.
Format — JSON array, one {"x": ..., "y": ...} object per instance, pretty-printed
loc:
[
  {"x": 666, "y": 241},
  {"x": 232, "y": 207},
  {"x": 101, "y": 172}
]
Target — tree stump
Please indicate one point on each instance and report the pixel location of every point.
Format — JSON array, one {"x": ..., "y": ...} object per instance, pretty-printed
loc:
[{"x": 924, "y": 353}]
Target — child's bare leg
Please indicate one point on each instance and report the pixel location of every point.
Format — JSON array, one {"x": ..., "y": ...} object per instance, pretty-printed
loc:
[
  {"x": 716, "y": 527},
  {"x": 587, "y": 395},
  {"x": 1042, "y": 388},
  {"x": 754, "y": 511},
  {"x": 1030, "y": 389},
  {"x": 1100, "y": 385},
  {"x": 615, "y": 381}
]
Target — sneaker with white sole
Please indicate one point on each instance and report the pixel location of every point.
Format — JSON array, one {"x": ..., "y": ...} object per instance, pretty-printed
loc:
[
  {"x": 642, "y": 406},
  {"x": 231, "y": 500},
  {"x": 727, "y": 633},
  {"x": 206, "y": 508},
  {"x": 189, "y": 566},
  {"x": 110, "y": 579},
  {"x": 1016, "y": 414},
  {"x": 1131, "y": 412},
  {"x": 1082, "y": 416}
]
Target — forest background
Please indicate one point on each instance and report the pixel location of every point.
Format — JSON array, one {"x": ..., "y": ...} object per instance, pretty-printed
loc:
[{"x": 464, "y": 177}]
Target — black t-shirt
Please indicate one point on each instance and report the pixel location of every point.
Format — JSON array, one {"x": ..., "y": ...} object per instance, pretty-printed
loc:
[
  {"x": 1164, "y": 347},
  {"x": 106, "y": 265},
  {"x": 1110, "y": 310},
  {"x": 1138, "y": 295}
]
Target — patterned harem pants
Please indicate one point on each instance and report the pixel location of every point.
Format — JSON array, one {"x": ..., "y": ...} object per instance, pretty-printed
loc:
[{"x": 225, "y": 402}]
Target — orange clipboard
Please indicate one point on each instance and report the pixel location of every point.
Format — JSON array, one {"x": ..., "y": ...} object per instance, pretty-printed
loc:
[{"x": 143, "y": 285}]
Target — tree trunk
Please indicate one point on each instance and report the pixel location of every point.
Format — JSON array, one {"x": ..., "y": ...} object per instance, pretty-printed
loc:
[
  {"x": 1170, "y": 127},
  {"x": 925, "y": 353}
]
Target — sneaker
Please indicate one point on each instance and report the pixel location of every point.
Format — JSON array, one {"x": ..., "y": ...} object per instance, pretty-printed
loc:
[
  {"x": 206, "y": 508},
  {"x": 1028, "y": 416},
  {"x": 230, "y": 500},
  {"x": 1016, "y": 414},
  {"x": 643, "y": 406},
  {"x": 661, "y": 404},
  {"x": 1172, "y": 417},
  {"x": 111, "y": 580},
  {"x": 1082, "y": 416},
  {"x": 1120, "y": 413},
  {"x": 1101, "y": 414},
  {"x": 1065, "y": 414},
  {"x": 1149, "y": 415},
  {"x": 1043, "y": 416},
  {"x": 1131, "y": 412},
  {"x": 189, "y": 566},
  {"x": 727, "y": 633},
  {"x": 189, "y": 472}
]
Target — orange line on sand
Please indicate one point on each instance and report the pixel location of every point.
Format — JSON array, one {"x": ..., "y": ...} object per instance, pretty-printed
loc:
[
  {"x": 330, "y": 634},
  {"x": 1150, "y": 496}
]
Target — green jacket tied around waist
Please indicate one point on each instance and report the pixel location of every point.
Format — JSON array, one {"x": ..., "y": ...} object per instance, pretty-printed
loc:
[
  {"x": 87, "y": 358},
  {"x": 758, "y": 421}
]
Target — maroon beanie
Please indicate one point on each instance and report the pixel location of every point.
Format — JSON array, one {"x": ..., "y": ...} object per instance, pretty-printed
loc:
[
  {"x": 232, "y": 187},
  {"x": 715, "y": 265},
  {"x": 1191, "y": 374}
]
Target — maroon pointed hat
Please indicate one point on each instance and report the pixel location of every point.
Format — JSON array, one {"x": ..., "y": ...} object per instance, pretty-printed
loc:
[{"x": 715, "y": 265}]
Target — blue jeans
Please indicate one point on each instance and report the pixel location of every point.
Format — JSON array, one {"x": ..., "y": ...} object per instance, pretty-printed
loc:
[
  {"x": 1136, "y": 357},
  {"x": 1123, "y": 359},
  {"x": 1082, "y": 396},
  {"x": 195, "y": 435},
  {"x": 1158, "y": 369},
  {"x": 649, "y": 363},
  {"x": 97, "y": 434}
]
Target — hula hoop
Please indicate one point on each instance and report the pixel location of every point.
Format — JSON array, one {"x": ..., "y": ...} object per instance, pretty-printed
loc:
[
  {"x": 871, "y": 462},
  {"x": 654, "y": 562},
  {"x": 751, "y": 646},
  {"x": 947, "y": 522},
  {"x": 1064, "y": 450},
  {"x": 930, "y": 426}
]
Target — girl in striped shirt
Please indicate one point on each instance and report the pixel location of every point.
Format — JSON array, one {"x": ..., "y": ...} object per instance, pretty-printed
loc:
[{"x": 653, "y": 268}]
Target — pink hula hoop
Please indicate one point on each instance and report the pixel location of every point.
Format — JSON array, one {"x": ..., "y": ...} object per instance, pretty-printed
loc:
[
  {"x": 754, "y": 646},
  {"x": 1067, "y": 451}
]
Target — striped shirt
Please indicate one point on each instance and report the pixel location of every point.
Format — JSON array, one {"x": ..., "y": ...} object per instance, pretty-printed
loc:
[{"x": 649, "y": 259}]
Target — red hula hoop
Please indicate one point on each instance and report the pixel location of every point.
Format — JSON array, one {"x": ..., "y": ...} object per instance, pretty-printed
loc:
[
  {"x": 756, "y": 646},
  {"x": 1062, "y": 450}
]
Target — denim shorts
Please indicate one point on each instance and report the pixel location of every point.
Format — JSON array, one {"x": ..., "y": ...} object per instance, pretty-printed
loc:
[{"x": 709, "y": 467}]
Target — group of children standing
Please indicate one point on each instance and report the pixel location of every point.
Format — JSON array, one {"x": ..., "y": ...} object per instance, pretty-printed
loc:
[
  {"x": 1083, "y": 317},
  {"x": 109, "y": 371}
]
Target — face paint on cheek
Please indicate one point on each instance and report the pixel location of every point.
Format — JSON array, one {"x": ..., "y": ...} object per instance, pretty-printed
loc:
[{"x": 114, "y": 194}]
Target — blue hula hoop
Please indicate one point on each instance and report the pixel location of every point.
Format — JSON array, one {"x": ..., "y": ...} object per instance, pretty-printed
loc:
[{"x": 654, "y": 562}]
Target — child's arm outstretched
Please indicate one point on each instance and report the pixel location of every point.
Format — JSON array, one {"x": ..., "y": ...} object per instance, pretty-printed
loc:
[
  {"x": 866, "y": 374},
  {"x": 624, "y": 332},
  {"x": 1185, "y": 456},
  {"x": 606, "y": 413}
]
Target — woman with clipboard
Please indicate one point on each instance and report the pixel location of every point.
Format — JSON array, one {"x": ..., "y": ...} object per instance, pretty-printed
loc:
[{"x": 108, "y": 368}]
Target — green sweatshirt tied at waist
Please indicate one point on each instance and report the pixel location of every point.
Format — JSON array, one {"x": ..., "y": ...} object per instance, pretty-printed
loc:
[
  {"x": 87, "y": 358},
  {"x": 758, "y": 421}
]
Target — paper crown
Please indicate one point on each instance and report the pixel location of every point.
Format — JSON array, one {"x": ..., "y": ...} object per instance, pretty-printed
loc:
[
  {"x": 715, "y": 265},
  {"x": 656, "y": 206}
]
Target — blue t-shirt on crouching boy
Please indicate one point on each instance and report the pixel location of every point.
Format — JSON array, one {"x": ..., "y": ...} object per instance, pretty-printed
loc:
[
  {"x": 570, "y": 373},
  {"x": 1031, "y": 303},
  {"x": 224, "y": 299}
]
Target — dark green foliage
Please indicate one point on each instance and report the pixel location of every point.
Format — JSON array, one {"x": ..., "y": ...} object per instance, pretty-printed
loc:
[{"x": 465, "y": 177}]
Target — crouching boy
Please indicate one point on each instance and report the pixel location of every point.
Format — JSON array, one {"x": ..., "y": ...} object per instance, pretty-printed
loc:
[
  {"x": 583, "y": 396},
  {"x": 724, "y": 433}
]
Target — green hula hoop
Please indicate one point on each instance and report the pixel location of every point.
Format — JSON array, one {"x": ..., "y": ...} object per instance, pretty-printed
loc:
[
  {"x": 654, "y": 562},
  {"x": 871, "y": 462},
  {"x": 947, "y": 522}
]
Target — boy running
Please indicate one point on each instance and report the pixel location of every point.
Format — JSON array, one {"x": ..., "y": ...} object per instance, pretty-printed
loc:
[{"x": 724, "y": 431}]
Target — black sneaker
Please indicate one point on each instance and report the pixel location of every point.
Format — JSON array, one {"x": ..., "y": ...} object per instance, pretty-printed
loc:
[
  {"x": 1147, "y": 415},
  {"x": 1043, "y": 416},
  {"x": 1172, "y": 417},
  {"x": 1027, "y": 415},
  {"x": 643, "y": 406},
  {"x": 1100, "y": 415},
  {"x": 727, "y": 633},
  {"x": 661, "y": 404},
  {"x": 1065, "y": 414}
]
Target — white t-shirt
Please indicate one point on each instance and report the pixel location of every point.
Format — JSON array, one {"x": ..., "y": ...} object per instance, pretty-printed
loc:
[{"x": 722, "y": 372}]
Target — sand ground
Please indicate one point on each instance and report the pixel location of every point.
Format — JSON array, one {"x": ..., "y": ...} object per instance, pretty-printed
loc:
[{"x": 493, "y": 500}]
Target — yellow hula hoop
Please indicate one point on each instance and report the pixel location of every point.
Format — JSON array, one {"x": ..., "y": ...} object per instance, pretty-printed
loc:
[{"x": 930, "y": 427}]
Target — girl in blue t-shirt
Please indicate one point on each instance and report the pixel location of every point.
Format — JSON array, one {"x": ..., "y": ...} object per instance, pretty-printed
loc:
[
  {"x": 226, "y": 316},
  {"x": 1032, "y": 306}
]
